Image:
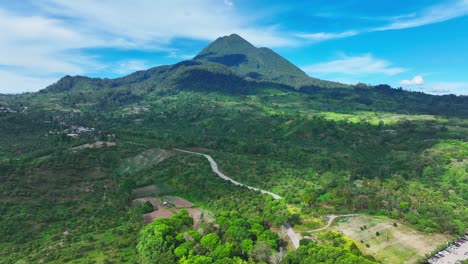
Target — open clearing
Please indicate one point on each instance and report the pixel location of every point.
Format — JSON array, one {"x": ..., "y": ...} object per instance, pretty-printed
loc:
[
  {"x": 178, "y": 202},
  {"x": 146, "y": 159},
  {"x": 97, "y": 144},
  {"x": 176, "y": 205},
  {"x": 400, "y": 244}
]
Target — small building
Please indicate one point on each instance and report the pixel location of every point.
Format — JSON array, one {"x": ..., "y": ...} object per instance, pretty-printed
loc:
[{"x": 167, "y": 203}]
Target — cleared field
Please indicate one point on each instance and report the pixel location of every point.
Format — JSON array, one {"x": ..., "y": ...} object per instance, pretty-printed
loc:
[
  {"x": 175, "y": 205},
  {"x": 158, "y": 213},
  {"x": 179, "y": 202},
  {"x": 375, "y": 117},
  {"x": 145, "y": 160},
  {"x": 393, "y": 244}
]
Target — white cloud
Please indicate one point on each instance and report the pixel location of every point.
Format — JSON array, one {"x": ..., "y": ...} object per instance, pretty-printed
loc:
[
  {"x": 13, "y": 83},
  {"x": 36, "y": 44},
  {"x": 358, "y": 65},
  {"x": 143, "y": 23},
  {"x": 417, "y": 80},
  {"x": 322, "y": 36},
  {"x": 35, "y": 50},
  {"x": 430, "y": 15}
]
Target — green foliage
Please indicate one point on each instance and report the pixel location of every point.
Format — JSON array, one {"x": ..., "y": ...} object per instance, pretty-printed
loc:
[
  {"x": 147, "y": 208},
  {"x": 157, "y": 240},
  {"x": 313, "y": 253},
  {"x": 173, "y": 240},
  {"x": 210, "y": 241},
  {"x": 261, "y": 252}
]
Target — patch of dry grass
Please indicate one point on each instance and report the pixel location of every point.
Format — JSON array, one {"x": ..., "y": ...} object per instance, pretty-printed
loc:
[{"x": 400, "y": 244}]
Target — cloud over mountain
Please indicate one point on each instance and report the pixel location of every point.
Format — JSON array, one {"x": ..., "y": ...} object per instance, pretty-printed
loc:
[{"x": 417, "y": 80}]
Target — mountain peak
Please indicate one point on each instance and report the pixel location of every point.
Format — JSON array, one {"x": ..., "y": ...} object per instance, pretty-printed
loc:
[
  {"x": 247, "y": 61},
  {"x": 231, "y": 44},
  {"x": 234, "y": 36},
  {"x": 235, "y": 39}
]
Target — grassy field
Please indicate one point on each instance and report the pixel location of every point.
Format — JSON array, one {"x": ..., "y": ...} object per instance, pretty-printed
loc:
[
  {"x": 144, "y": 160},
  {"x": 394, "y": 244}
]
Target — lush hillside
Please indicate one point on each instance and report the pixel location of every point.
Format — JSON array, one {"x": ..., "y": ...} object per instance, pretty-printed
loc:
[{"x": 368, "y": 150}]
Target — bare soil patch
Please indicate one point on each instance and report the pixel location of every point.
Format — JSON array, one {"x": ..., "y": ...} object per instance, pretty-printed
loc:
[
  {"x": 176, "y": 205},
  {"x": 161, "y": 212},
  {"x": 181, "y": 202},
  {"x": 164, "y": 212},
  {"x": 197, "y": 216}
]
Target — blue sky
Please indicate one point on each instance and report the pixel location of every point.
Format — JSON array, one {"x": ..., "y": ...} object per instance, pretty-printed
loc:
[{"x": 419, "y": 45}]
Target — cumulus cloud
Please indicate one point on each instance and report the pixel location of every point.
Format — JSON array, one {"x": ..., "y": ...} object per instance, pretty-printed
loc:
[
  {"x": 417, "y": 80},
  {"x": 357, "y": 65}
]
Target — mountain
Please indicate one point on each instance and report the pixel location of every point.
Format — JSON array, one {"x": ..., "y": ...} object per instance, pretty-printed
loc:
[
  {"x": 252, "y": 63},
  {"x": 231, "y": 61}
]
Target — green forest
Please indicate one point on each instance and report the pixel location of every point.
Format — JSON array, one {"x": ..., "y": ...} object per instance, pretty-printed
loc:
[{"x": 63, "y": 204}]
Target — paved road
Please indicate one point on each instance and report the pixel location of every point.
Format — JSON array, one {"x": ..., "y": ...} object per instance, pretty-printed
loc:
[
  {"x": 214, "y": 166},
  {"x": 292, "y": 235}
]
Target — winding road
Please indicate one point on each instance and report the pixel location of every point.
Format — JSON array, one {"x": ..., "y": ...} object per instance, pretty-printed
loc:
[{"x": 214, "y": 167}]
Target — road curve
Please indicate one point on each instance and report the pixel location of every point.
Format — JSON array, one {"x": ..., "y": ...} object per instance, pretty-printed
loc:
[
  {"x": 330, "y": 221},
  {"x": 214, "y": 166}
]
